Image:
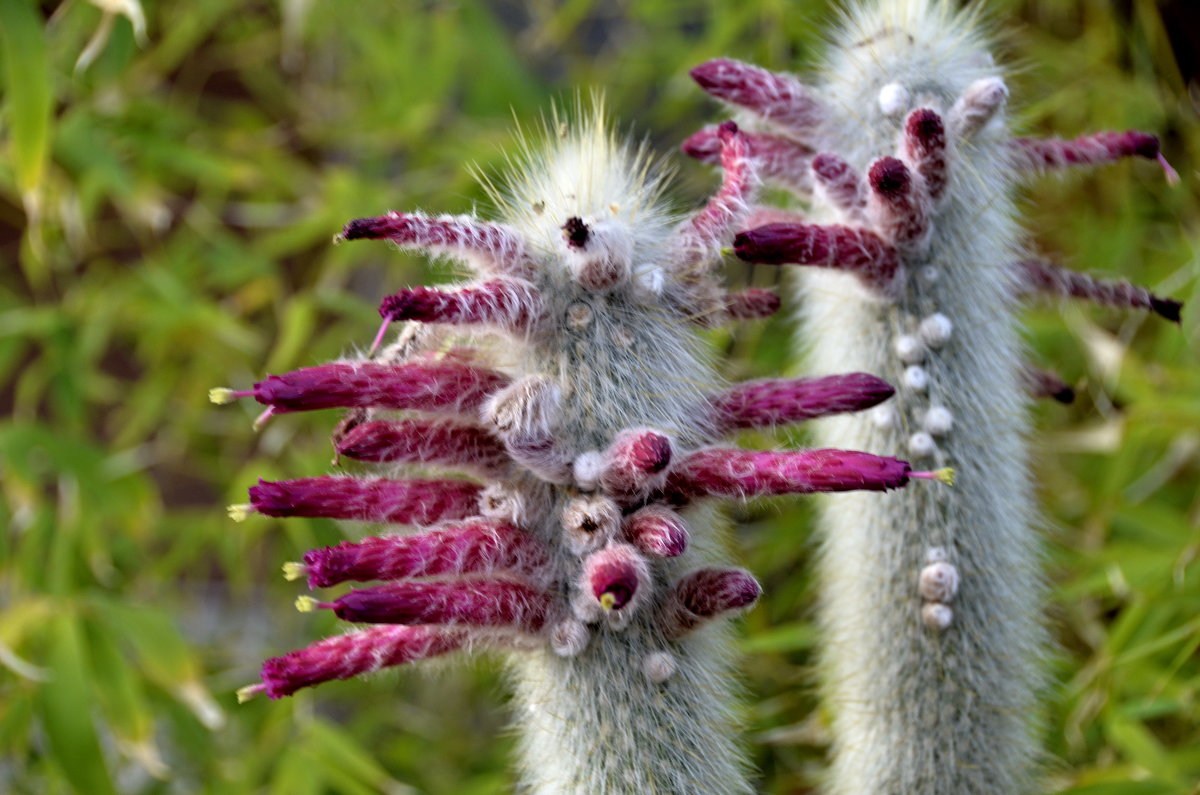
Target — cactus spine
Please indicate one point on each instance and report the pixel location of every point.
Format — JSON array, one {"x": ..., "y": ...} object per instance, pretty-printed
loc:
[
  {"x": 929, "y": 599},
  {"x": 583, "y": 403}
]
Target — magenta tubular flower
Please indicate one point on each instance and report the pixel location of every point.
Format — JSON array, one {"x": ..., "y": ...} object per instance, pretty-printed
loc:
[
  {"x": 1045, "y": 384},
  {"x": 474, "y": 602},
  {"x": 657, "y": 531},
  {"x": 775, "y": 401},
  {"x": 899, "y": 210},
  {"x": 840, "y": 182},
  {"x": 634, "y": 464},
  {"x": 752, "y": 303},
  {"x": 924, "y": 150},
  {"x": 616, "y": 583},
  {"x": 717, "y": 472},
  {"x": 354, "y": 654},
  {"x": 780, "y": 160},
  {"x": 845, "y": 248},
  {"x": 428, "y": 441},
  {"x": 1035, "y": 154},
  {"x": 1042, "y": 277},
  {"x": 468, "y": 546},
  {"x": 782, "y": 99},
  {"x": 426, "y": 386},
  {"x": 419, "y": 502},
  {"x": 705, "y": 594},
  {"x": 493, "y": 247},
  {"x": 507, "y": 303}
]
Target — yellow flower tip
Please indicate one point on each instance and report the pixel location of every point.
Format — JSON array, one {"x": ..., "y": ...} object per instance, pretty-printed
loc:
[
  {"x": 248, "y": 692},
  {"x": 306, "y": 604},
  {"x": 339, "y": 239},
  {"x": 945, "y": 475},
  {"x": 240, "y": 511},
  {"x": 607, "y": 600},
  {"x": 727, "y": 251},
  {"x": 293, "y": 570},
  {"x": 221, "y": 395}
]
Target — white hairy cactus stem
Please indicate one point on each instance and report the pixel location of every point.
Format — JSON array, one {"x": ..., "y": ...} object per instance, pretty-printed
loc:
[
  {"x": 916, "y": 273},
  {"x": 930, "y": 668}
]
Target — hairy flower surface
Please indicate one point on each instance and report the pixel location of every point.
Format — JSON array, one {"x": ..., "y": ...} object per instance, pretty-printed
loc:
[{"x": 569, "y": 386}]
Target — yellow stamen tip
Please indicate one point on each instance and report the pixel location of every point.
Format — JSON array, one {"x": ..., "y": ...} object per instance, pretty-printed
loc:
[
  {"x": 248, "y": 692},
  {"x": 607, "y": 601},
  {"x": 306, "y": 604},
  {"x": 945, "y": 475},
  {"x": 727, "y": 251},
  {"x": 294, "y": 571},
  {"x": 239, "y": 512},
  {"x": 221, "y": 395}
]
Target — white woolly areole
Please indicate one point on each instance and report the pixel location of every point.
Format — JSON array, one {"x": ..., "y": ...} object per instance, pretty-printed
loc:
[
  {"x": 938, "y": 420},
  {"x": 921, "y": 444},
  {"x": 935, "y": 330},
  {"x": 934, "y": 554},
  {"x": 589, "y": 522},
  {"x": 909, "y": 349},
  {"x": 885, "y": 416},
  {"x": 937, "y": 616},
  {"x": 587, "y": 469},
  {"x": 659, "y": 666},
  {"x": 938, "y": 582},
  {"x": 569, "y": 637},
  {"x": 916, "y": 378},
  {"x": 893, "y": 99}
]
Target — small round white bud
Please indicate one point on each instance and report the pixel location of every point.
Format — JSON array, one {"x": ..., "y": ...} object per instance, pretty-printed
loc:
[
  {"x": 658, "y": 666},
  {"x": 893, "y": 99},
  {"x": 938, "y": 420},
  {"x": 921, "y": 444},
  {"x": 908, "y": 348},
  {"x": 587, "y": 468},
  {"x": 915, "y": 378},
  {"x": 938, "y": 582},
  {"x": 935, "y": 330},
  {"x": 884, "y": 416},
  {"x": 937, "y": 616},
  {"x": 930, "y": 273}
]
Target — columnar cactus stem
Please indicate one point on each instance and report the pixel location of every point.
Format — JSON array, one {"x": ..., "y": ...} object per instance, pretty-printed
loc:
[
  {"x": 929, "y": 597},
  {"x": 581, "y": 556}
]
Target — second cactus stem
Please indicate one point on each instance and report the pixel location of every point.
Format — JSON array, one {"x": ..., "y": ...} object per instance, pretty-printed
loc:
[{"x": 930, "y": 599}]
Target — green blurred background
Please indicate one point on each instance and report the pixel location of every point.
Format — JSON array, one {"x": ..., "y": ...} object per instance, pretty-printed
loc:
[{"x": 166, "y": 211}]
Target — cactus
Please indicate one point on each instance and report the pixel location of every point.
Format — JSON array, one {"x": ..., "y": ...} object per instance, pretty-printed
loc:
[
  {"x": 930, "y": 599},
  {"x": 569, "y": 380}
]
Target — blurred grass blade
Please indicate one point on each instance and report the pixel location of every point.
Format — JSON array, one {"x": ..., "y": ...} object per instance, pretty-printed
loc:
[
  {"x": 27, "y": 87},
  {"x": 65, "y": 706},
  {"x": 349, "y": 761},
  {"x": 124, "y": 704}
]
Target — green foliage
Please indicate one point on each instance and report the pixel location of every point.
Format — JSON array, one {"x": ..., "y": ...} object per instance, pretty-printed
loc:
[{"x": 171, "y": 207}]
